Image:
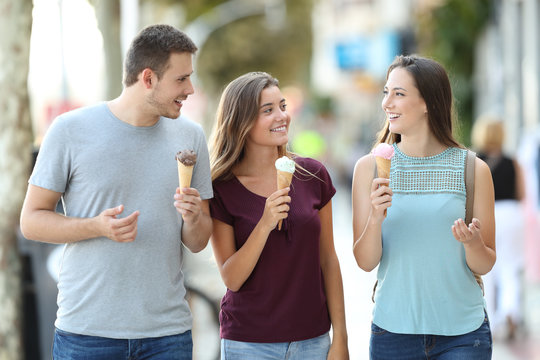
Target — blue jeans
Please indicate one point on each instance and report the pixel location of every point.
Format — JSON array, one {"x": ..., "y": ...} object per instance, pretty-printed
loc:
[
  {"x": 69, "y": 346},
  {"x": 476, "y": 345},
  {"x": 312, "y": 349}
]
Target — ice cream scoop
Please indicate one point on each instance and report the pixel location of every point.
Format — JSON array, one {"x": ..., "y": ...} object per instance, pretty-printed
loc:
[
  {"x": 187, "y": 157},
  {"x": 285, "y": 164},
  {"x": 185, "y": 160},
  {"x": 384, "y": 150},
  {"x": 285, "y": 169}
]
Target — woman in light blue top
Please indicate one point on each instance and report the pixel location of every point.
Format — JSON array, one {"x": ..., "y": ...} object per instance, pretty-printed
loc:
[{"x": 428, "y": 304}]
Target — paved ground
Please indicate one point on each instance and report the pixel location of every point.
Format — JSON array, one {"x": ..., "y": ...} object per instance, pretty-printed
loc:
[{"x": 358, "y": 287}]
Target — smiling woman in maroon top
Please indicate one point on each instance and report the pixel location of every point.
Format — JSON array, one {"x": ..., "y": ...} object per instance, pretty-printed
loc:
[{"x": 284, "y": 286}]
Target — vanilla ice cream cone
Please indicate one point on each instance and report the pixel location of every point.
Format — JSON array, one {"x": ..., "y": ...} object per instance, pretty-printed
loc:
[{"x": 284, "y": 179}]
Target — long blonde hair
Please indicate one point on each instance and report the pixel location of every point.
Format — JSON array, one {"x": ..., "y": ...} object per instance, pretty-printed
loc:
[
  {"x": 236, "y": 114},
  {"x": 488, "y": 134}
]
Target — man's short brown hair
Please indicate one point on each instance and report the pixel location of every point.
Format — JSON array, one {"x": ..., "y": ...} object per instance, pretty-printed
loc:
[{"x": 152, "y": 48}]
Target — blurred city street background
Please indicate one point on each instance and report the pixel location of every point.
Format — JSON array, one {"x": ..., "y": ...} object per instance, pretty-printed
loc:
[{"x": 330, "y": 57}]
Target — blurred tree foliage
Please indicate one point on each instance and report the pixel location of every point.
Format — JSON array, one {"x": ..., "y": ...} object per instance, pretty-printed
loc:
[
  {"x": 449, "y": 34},
  {"x": 195, "y": 8},
  {"x": 248, "y": 44}
]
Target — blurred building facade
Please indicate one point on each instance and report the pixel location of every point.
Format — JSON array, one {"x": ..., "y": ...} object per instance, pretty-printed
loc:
[{"x": 507, "y": 66}]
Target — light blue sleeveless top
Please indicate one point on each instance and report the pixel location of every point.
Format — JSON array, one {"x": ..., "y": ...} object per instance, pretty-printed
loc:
[{"x": 424, "y": 283}]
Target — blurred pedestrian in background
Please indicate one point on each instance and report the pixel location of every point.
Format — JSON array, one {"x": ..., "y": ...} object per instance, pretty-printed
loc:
[
  {"x": 284, "y": 287},
  {"x": 503, "y": 285},
  {"x": 427, "y": 300},
  {"x": 121, "y": 290}
]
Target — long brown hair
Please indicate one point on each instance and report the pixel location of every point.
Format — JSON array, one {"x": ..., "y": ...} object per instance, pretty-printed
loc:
[
  {"x": 236, "y": 114},
  {"x": 432, "y": 82}
]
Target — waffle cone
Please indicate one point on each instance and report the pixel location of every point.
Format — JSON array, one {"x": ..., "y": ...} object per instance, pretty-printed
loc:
[
  {"x": 383, "y": 167},
  {"x": 284, "y": 179},
  {"x": 184, "y": 175}
]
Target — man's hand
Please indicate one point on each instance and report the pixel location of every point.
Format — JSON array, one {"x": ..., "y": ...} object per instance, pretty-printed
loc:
[
  {"x": 188, "y": 203},
  {"x": 197, "y": 224},
  {"x": 119, "y": 230}
]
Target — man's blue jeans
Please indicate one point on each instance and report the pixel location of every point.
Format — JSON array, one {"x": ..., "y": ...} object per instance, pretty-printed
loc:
[
  {"x": 69, "y": 346},
  {"x": 475, "y": 345}
]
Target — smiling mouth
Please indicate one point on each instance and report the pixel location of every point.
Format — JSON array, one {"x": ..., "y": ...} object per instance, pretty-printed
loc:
[
  {"x": 392, "y": 116},
  {"x": 279, "y": 129}
]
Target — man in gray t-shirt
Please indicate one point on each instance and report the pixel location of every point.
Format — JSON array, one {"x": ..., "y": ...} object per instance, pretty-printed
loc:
[{"x": 121, "y": 290}]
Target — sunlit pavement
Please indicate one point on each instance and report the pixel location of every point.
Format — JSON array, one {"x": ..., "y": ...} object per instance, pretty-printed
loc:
[{"x": 358, "y": 286}]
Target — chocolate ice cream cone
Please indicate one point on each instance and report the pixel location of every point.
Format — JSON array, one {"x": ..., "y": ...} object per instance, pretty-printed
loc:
[{"x": 184, "y": 175}]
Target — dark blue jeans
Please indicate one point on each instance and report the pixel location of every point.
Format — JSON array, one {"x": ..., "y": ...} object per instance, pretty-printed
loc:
[
  {"x": 69, "y": 346},
  {"x": 476, "y": 345}
]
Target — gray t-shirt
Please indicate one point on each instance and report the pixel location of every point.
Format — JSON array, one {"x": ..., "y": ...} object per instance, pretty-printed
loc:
[{"x": 110, "y": 289}]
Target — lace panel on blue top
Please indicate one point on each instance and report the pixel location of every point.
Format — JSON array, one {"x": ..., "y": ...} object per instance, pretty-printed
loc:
[{"x": 442, "y": 173}]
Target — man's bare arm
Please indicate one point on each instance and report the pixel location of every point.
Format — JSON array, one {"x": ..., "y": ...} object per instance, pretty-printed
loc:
[{"x": 40, "y": 222}]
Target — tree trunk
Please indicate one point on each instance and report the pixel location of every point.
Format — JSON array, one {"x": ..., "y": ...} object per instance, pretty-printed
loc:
[
  {"x": 15, "y": 162},
  {"x": 108, "y": 18}
]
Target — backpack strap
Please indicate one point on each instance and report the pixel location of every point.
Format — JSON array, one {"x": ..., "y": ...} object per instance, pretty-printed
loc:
[
  {"x": 375, "y": 173},
  {"x": 469, "y": 203},
  {"x": 469, "y": 185}
]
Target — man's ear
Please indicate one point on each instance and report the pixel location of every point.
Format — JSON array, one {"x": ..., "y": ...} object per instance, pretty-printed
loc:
[{"x": 147, "y": 76}]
